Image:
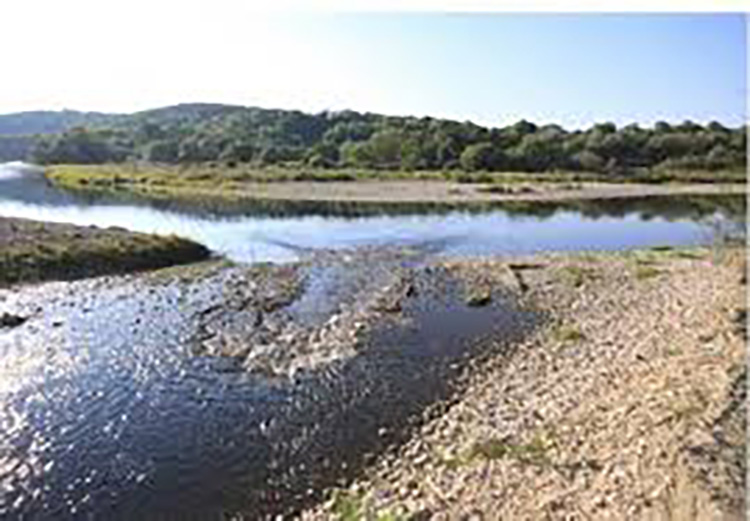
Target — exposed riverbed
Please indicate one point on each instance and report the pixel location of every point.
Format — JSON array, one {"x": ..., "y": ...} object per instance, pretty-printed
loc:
[{"x": 229, "y": 389}]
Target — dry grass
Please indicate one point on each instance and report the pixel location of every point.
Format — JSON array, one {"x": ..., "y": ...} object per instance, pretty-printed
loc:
[{"x": 200, "y": 181}]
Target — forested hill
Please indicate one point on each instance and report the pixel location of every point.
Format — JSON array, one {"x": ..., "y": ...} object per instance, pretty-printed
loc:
[
  {"x": 194, "y": 133},
  {"x": 18, "y": 130},
  {"x": 49, "y": 122}
]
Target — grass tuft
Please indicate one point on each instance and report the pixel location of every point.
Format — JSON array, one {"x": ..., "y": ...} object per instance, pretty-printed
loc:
[
  {"x": 569, "y": 333},
  {"x": 646, "y": 272},
  {"x": 535, "y": 451},
  {"x": 354, "y": 506},
  {"x": 578, "y": 275}
]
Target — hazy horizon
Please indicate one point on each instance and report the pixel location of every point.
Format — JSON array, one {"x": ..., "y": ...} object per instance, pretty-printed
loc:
[{"x": 492, "y": 69}]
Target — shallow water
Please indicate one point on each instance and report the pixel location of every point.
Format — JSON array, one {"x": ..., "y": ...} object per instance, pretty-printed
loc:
[{"x": 106, "y": 414}]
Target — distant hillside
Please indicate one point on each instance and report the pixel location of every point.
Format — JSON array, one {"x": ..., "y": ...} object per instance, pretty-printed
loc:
[
  {"x": 50, "y": 122},
  {"x": 186, "y": 113},
  {"x": 16, "y": 148},
  {"x": 204, "y": 132}
]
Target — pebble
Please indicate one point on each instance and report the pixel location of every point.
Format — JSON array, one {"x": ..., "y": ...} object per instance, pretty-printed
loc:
[{"x": 604, "y": 409}]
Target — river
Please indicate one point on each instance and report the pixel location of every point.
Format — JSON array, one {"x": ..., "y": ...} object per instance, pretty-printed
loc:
[
  {"x": 259, "y": 232},
  {"x": 106, "y": 412}
]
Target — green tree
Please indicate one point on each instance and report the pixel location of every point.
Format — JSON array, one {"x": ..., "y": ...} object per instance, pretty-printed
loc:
[
  {"x": 357, "y": 154},
  {"x": 385, "y": 149},
  {"x": 481, "y": 156},
  {"x": 77, "y": 145},
  {"x": 162, "y": 151},
  {"x": 238, "y": 151},
  {"x": 209, "y": 132},
  {"x": 589, "y": 161}
]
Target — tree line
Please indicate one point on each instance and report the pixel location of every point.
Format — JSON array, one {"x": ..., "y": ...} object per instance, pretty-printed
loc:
[
  {"x": 16, "y": 148},
  {"x": 200, "y": 133}
]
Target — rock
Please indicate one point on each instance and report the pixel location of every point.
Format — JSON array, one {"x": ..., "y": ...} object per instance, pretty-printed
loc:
[
  {"x": 739, "y": 321},
  {"x": 389, "y": 305},
  {"x": 473, "y": 516},
  {"x": 479, "y": 297},
  {"x": 9, "y": 320}
]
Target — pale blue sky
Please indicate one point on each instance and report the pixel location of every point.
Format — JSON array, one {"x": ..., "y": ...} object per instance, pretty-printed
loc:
[{"x": 494, "y": 69}]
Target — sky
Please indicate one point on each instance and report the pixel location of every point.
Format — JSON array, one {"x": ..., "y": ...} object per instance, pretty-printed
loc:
[{"x": 490, "y": 68}]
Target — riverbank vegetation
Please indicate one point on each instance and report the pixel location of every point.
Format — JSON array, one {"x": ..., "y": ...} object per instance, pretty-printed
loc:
[
  {"x": 217, "y": 175},
  {"x": 32, "y": 251},
  {"x": 243, "y": 191},
  {"x": 234, "y": 135}
]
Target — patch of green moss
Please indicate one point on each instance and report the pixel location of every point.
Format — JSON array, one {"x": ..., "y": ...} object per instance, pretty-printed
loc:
[
  {"x": 646, "y": 272},
  {"x": 688, "y": 254},
  {"x": 354, "y": 506},
  {"x": 569, "y": 333},
  {"x": 535, "y": 451},
  {"x": 578, "y": 275}
]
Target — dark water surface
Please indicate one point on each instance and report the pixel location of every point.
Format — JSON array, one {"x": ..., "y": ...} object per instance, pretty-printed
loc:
[{"x": 106, "y": 414}]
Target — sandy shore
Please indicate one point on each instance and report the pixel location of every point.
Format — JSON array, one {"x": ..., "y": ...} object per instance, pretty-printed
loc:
[
  {"x": 449, "y": 192},
  {"x": 627, "y": 404},
  {"x": 228, "y": 184}
]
